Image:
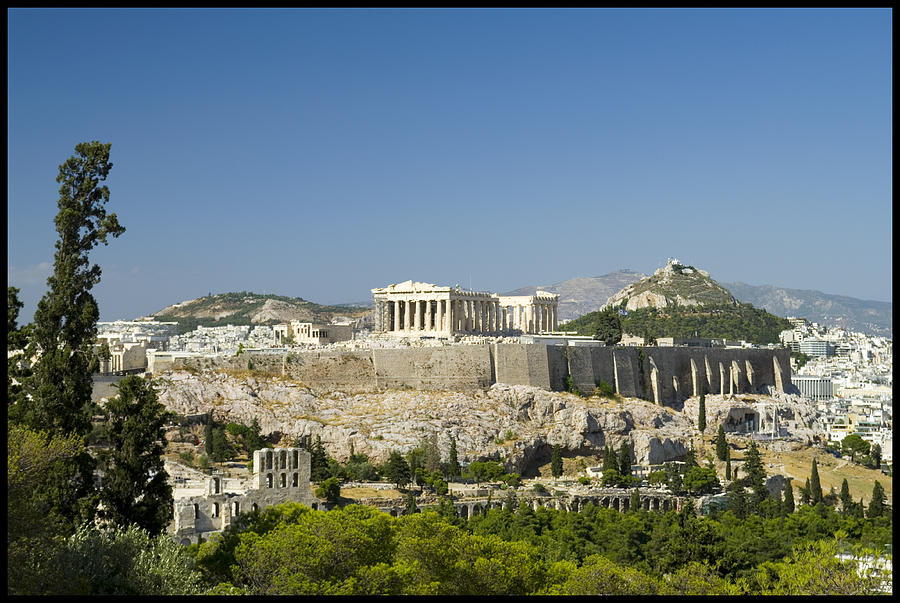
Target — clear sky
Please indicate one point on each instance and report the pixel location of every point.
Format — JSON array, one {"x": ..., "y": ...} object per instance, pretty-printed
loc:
[{"x": 321, "y": 153}]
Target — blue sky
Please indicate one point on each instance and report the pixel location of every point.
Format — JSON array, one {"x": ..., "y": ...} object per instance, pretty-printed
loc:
[{"x": 321, "y": 153}]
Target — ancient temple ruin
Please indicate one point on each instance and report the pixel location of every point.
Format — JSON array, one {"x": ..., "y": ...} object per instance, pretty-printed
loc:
[{"x": 412, "y": 309}]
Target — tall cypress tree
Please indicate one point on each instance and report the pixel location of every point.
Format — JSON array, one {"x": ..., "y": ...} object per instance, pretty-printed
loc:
[
  {"x": 609, "y": 459},
  {"x": 556, "y": 463},
  {"x": 453, "y": 464},
  {"x": 728, "y": 463},
  {"x": 804, "y": 493},
  {"x": 721, "y": 444},
  {"x": 625, "y": 459},
  {"x": 701, "y": 418},
  {"x": 846, "y": 499},
  {"x": 756, "y": 474},
  {"x": 65, "y": 323},
  {"x": 788, "y": 505},
  {"x": 815, "y": 487},
  {"x": 57, "y": 393},
  {"x": 876, "y": 505}
]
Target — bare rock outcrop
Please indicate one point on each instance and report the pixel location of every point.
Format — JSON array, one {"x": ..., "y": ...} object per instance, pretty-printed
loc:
[{"x": 513, "y": 423}]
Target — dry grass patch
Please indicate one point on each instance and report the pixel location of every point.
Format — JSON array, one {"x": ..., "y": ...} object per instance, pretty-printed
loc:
[
  {"x": 797, "y": 464},
  {"x": 363, "y": 493}
]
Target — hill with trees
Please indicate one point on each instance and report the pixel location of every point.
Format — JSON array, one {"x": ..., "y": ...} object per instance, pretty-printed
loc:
[
  {"x": 678, "y": 301},
  {"x": 246, "y": 308}
]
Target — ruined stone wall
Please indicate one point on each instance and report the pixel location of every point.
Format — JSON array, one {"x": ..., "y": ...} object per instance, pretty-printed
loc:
[
  {"x": 444, "y": 368},
  {"x": 280, "y": 475},
  {"x": 666, "y": 374},
  {"x": 660, "y": 374}
]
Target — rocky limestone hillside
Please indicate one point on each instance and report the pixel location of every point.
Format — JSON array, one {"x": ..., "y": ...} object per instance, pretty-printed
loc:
[
  {"x": 245, "y": 308},
  {"x": 517, "y": 424},
  {"x": 673, "y": 284}
]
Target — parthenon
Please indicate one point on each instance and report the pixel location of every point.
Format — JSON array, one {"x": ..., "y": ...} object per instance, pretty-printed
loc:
[{"x": 412, "y": 309}]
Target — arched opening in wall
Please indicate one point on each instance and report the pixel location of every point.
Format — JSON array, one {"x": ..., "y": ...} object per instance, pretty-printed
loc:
[
  {"x": 196, "y": 511},
  {"x": 315, "y": 506},
  {"x": 216, "y": 485},
  {"x": 269, "y": 460},
  {"x": 296, "y": 461},
  {"x": 294, "y": 481},
  {"x": 284, "y": 480},
  {"x": 215, "y": 510},
  {"x": 268, "y": 480},
  {"x": 282, "y": 459},
  {"x": 236, "y": 510},
  {"x": 254, "y": 507}
]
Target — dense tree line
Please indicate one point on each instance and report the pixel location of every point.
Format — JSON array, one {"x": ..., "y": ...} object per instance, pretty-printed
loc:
[
  {"x": 725, "y": 321},
  {"x": 359, "y": 550}
]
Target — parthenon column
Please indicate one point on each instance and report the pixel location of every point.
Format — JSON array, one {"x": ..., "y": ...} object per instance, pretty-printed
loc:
[
  {"x": 396, "y": 315},
  {"x": 440, "y": 316},
  {"x": 429, "y": 316}
]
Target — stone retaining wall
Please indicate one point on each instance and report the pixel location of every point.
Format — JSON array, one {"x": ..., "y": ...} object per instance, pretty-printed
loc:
[{"x": 660, "y": 374}]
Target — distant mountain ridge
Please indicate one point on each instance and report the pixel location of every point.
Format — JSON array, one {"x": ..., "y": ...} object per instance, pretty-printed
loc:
[
  {"x": 864, "y": 316},
  {"x": 578, "y": 296}
]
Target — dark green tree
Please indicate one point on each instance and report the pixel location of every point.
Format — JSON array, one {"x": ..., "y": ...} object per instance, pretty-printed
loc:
[
  {"x": 635, "y": 503},
  {"x": 453, "y": 468},
  {"x": 625, "y": 459},
  {"x": 56, "y": 395},
  {"x": 318, "y": 461},
  {"x": 721, "y": 444},
  {"x": 208, "y": 435},
  {"x": 690, "y": 459},
  {"x": 737, "y": 499},
  {"x": 846, "y": 499},
  {"x": 855, "y": 446},
  {"x": 728, "y": 464},
  {"x": 609, "y": 459},
  {"x": 330, "y": 490},
  {"x": 397, "y": 470},
  {"x": 877, "y": 507},
  {"x": 410, "y": 507},
  {"x": 700, "y": 480},
  {"x": 135, "y": 488},
  {"x": 701, "y": 414},
  {"x": 815, "y": 487},
  {"x": 787, "y": 504},
  {"x": 556, "y": 462},
  {"x": 65, "y": 323},
  {"x": 804, "y": 493},
  {"x": 432, "y": 454},
  {"x": 875, "y": 455},
  {"x": 608, "y": 326},
  {"x": 755, "y": 476}
]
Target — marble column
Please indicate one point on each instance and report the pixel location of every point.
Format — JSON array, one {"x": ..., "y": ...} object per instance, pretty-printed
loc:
[
  {"x": 396, "y": 315},
  {"x": 440, "y": 315}
]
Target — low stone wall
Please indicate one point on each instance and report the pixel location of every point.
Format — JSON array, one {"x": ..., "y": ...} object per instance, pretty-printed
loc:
[{"x": 660, "y": 374}]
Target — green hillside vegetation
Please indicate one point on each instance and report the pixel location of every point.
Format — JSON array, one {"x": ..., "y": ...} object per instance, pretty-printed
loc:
[
  {"x": 238, "y": 308},
  {"x": 722, "y": 321}
]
